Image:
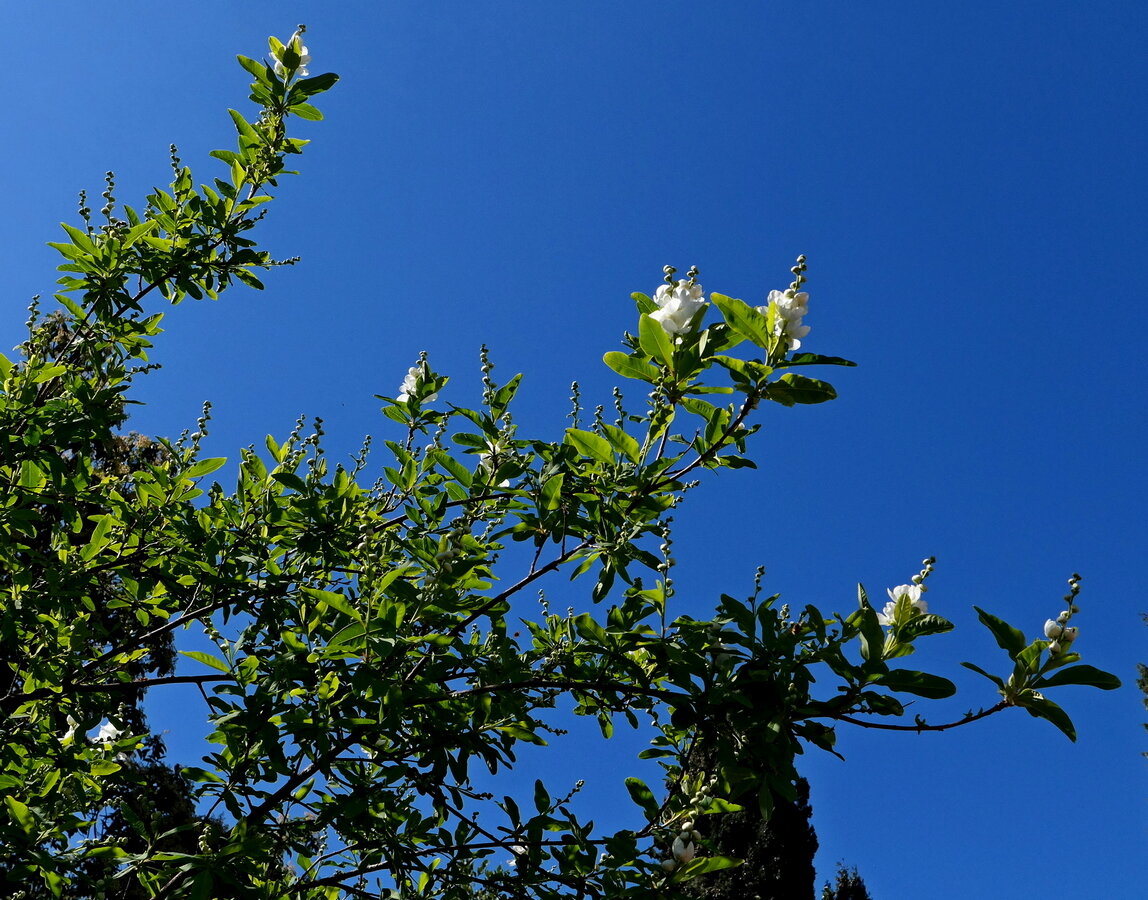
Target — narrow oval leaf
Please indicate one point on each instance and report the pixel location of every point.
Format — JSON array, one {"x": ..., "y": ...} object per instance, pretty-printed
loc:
[
  {"x": 206, "y": 658},
  {"x": 922, "y": 684},
  {"x": 1084, "y": 674},
  {"x": 790, "y": 389},
  {"x": 205, "y": 467},
  {"x": 654, "y": 340},
  {"x": 589, "y": 444},
  {"x": 743, "y": 318},
  {"x": 1009, "y": 639},
  {"x": 1046, "y": 709},
  {"x": 629, "y": 367},
  {"x": 643, "y": 796}
]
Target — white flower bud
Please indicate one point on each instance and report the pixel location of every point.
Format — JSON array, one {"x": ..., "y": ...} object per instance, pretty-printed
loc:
[
  {"x": 71, "y": 732},
  {"x": 684, "y": 852},
  {"x": 1053, "y": 629},
  {"x": 669, "y": 865},
  {"x": 1070, "y": 634},
  {"x": 1054, "y": 648}
]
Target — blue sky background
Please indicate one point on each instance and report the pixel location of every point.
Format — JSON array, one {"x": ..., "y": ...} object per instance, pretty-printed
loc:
[{"x": 968, "y": 183}]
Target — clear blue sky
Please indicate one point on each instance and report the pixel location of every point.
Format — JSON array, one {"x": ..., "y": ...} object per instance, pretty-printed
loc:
[{"x": 968, "y": 183}]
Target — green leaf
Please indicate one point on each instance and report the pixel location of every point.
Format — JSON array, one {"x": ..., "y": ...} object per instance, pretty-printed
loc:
[
  {"x": 256, "y": 68},
  {"x": 1009, "y": 639},
  {"x": 622, "y": 442},
  {"x": 31, "y": 475},
  {"x": 138, "y": 231},
  {"x": 791, "y": 389},
  {"x": 588, "y": 629},
  {"x": 80, "y": 239},
  {"x": 922, "y": 684},
  {"x": 872, "y": 634},
  {"x": 765, "y": 801},
  {"x": 335, "y": 601},
  {"x": 1084, "y": 674},
  {"x": 308, "y": 87},
  {"x": 104, "y": 767},
  {"x": 743, "y": 319},
  {"x": 307, "y": 111},
  {"x": 1041, "y": 708},
  {"x": 589, "y": 444},
  {"x": 348, "y": 635},
  {"x": 248, "y": 278},
  {"x": 205, "y": 467},
  {"x": 460, "y": 472},
  {"x": 815, "y": 359},
  {"x": 643, "y": 796},
  {"x": 653, "y": 340},
  {"x": 245, "y": 129},
  {"x": 703, "y": 865},
  {"x": 291, "y": 480},
  {"x": 47, "y": 373},
  {"x": 99, "y": 538},
  {"x": 645, "y": 302},
  {"x": 207, "y": 659},
  {"x": 20, "y": 813},
  {"x": 630, "y": 367},
  {"x": 921, "y": 625},
  {"x": 551, "y": 494},
  {"x": 999, "y": 682},
  {"x": 541, "y": 796}
]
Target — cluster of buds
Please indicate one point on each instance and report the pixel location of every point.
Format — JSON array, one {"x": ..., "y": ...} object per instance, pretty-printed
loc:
[
  {"x": 450, "y": 547},
  {"x": 1059, "y": 633},
  {"x": 684, "y": 846}
]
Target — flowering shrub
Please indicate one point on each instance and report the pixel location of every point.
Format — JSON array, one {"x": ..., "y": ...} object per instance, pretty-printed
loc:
[{"x": 372, "y": 647}]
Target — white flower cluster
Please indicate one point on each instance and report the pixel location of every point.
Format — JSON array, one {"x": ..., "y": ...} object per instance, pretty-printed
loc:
[
  {"x": 1059, "y": 634},
  {"x": 791, "y": 306},
  {"x": 913, "y": 592},
  {"x": 678, "y": 306},
  {"x": 416, "y": 374},
  {"x": 296, "y": 44},
  {"x": 684, "y": 847},
  {"x": 108, "y": 732}
]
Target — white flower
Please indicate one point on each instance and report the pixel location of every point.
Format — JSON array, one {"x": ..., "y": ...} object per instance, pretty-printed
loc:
[
  {"x": 304, "y": 58},
  {"x": 108, "y": 732},
  {"x": 912, "y": 591},
  {"x": 71, "y": 732},
  {"x": 683, "y": 852},
  {"x": 415, "y": 376},
  {"x": 678, "y": 305},
  {"x": 790, "y": 306}
]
